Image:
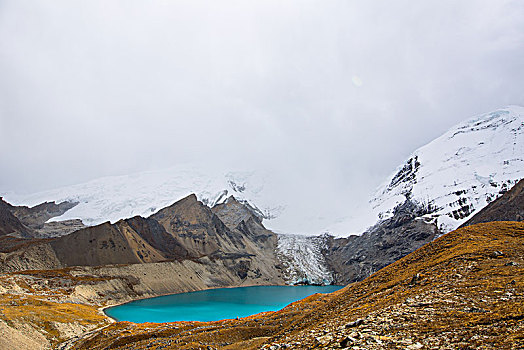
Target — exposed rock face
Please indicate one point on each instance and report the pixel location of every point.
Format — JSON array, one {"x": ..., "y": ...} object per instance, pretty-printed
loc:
[
  {"x": 233, "y": 212},
  {"x": 199, "y": 230},
  {"x": 28, "y": 222},
  {"x": 59, "y": 228},
  {"x": 357, "y": 257},
  {"x": 509, "y": 207},
  {"x": 9, "y": 223},
  {"x": 36, "y": 216},
  {"x": 185, "y": 231}
]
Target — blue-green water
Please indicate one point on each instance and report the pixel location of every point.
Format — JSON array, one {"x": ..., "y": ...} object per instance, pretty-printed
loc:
[{"x": 214, "y": 304}]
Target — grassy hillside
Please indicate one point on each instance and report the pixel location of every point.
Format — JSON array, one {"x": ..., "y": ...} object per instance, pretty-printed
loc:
[{"x": 465, "y": 290}]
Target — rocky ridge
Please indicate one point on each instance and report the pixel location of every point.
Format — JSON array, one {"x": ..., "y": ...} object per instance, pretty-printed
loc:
[
  {"x": 354, "y": 258},
  {"x": 31, "y": 222}
]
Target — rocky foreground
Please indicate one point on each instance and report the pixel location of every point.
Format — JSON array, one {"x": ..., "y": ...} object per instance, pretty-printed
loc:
[{"x": 465, "y": 290}]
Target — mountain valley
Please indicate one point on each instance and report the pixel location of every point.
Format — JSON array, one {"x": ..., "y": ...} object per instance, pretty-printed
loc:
[{"x": 445, "y": 254}]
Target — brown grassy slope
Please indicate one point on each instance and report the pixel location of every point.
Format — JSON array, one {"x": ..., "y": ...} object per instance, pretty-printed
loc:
[
  {"x": 39, "y": 303},
  {"x": 463, "y": 291}
]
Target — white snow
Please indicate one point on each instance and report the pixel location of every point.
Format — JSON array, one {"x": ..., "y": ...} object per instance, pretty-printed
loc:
[
  {"x": 468, "y": 166},
  {"x": 116, "y": 197}
]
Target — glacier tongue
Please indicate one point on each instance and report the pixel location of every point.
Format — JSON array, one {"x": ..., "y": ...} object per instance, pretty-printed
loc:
[
  {"x": 461, "y": 171},
  {"x": 303, "y": 260}
]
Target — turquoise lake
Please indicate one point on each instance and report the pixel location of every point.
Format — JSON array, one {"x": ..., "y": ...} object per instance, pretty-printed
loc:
[{"x": 214, "y": 304}]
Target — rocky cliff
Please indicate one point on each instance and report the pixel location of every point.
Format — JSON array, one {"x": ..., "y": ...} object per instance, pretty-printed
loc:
[
  {"x": 186, "y": 230},
  {"x": 23, "y": 221},
  {"x": 357, "y": 257}
]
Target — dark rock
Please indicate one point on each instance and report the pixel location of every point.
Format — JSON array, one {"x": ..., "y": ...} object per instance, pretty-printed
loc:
[
  {"x": 509, "y": 207},
  {"x": 347, "y": 342},
  {"x": 355, "y": 323},
  {"x": 414, "y": 280},
  {"x": 497, "y": 254},
  {"x": 357, "y": 257}
]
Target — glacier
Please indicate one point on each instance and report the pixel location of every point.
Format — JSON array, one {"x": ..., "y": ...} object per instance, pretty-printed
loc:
[{"x": 302, "y": 259}]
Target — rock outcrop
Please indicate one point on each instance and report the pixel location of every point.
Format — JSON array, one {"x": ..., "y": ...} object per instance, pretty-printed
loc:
[
  {"x": 31, "y": 222},
  {"x": 10, "y": 224},
  {"x": 357, "y": 257},
  {"x": 35, "y": 217}
]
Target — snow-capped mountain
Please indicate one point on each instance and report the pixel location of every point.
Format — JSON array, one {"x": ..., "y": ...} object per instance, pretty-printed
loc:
[
  {"x": 462, "y": 171},
  {"x": 116, "y": 197},
  {"x": 456, "y": 175},
  {"x": 273, "y": 196}
]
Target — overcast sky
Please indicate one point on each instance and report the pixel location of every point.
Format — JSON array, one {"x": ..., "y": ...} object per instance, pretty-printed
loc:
[{"x": 336, "y": 93}]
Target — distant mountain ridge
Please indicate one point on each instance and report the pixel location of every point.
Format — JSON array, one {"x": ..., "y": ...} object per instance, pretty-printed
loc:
[
  {"x": 23, "y": 221},
  {"x": 120, "y": 197},
  {"x": 186, "y": 230}
]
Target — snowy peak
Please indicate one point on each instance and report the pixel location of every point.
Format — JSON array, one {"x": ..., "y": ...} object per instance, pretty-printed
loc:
[{"x": 462, "y": 171}]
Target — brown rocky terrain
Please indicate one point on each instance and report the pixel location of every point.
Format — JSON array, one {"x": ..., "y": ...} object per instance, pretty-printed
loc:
[
  {"x": 9, "y": 223},
  {"x": 35, "y": 217},
  {"x": 186, "y": 230},
  {"x": 464, "y": 290}
]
